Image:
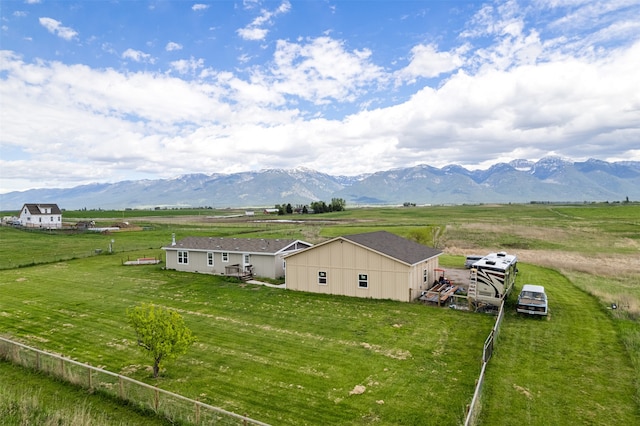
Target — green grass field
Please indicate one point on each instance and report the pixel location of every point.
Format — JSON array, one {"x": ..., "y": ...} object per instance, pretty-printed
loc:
[
  {"x": 29, "y": 398},
  {"x": 283, "y": 357},
  {"x": 570, "y": 368},
  {"x": 292, "y": 358}
]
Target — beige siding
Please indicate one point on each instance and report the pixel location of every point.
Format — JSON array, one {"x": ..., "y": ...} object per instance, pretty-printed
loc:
[
  {"x": 417, "y": 282},
  {"x": 343, "y": 261}
]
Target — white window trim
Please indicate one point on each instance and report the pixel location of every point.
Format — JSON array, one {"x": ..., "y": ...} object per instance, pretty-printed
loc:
[
  {"x": 185, "y": 255},
  {"x": 210, "y": 258},
  {"x": 225, "y": 256}
]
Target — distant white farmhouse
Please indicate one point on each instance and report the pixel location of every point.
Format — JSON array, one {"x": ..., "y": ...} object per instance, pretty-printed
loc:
[{"x": 47, "y": 216}]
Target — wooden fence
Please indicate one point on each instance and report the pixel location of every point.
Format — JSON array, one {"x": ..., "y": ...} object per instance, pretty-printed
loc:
[
  {"x": 476, "y": 402},
  {"x": 172, "y": 406}
]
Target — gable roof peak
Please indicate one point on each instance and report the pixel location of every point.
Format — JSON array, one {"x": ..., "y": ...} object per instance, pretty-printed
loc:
[{"x": 395, "y": 246}]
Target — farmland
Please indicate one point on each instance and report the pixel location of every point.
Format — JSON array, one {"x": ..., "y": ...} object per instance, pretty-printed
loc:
[{"x": 292, "y": 358}]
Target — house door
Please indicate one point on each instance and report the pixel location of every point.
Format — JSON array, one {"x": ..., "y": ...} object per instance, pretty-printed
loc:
[{"x": 246, "y": 263}]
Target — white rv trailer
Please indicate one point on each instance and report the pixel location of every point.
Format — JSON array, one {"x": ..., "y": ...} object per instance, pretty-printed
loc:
[{"x": 492, "y": 278}]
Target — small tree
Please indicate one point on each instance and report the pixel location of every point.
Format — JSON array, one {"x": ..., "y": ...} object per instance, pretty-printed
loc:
[{"x": 161, "y": 332}]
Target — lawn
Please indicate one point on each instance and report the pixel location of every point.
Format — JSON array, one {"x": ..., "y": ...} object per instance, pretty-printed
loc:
[
  {"x": 569, "y": 368},
  {"x": 279, "y": 356}
]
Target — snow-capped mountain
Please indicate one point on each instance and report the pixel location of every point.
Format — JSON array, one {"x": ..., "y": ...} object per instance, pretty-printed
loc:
[{"x": 520, "y": 181}]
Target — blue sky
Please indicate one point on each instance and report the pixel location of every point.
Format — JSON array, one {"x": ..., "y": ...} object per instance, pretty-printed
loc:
[{"x": 104, "y": 91}]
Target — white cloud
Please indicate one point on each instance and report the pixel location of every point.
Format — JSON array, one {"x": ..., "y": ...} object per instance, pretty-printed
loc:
[
  {"x": 321, "y": 70},
  {"x": 56, "y": 27},
  {"x": 72, "y": 117},
  {"x": 185, "y": 66},
  {"x": 199, "y": 6},
  {"x": 137, "y": 56},
  {"x": 253, "y": 34},
  {"x": 172, "y": 46},
  {"x": 572, "y": 106},
  {"x": 255, "y": 30},
  {"x": 426, "y": 61}
]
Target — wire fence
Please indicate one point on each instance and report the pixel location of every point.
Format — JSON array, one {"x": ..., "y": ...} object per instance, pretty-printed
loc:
[
  {"x": 174, "y": 407},
  {"x": 473, "y": 411}
]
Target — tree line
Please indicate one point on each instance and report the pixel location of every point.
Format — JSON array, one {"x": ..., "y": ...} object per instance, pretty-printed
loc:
[{"x": 315, "y": 207}]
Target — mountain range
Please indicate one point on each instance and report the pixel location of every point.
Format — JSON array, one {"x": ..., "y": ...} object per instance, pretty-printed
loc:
[{"x": 550, "y": 179}]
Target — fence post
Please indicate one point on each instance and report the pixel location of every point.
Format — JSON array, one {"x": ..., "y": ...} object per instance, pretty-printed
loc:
[
  {"x": 156, "y": 399},
  {"x": 16, "y": 355},
  {"x": 90, "y": 384},
  {"x": 62, "y": 368},
  {"x": 197, "y": 413},
  {"x": 121, "y": 389}
]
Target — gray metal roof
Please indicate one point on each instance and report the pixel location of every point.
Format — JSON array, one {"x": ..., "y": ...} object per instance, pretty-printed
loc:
[
  {"x": 241, "y": 245},
  {"x": 394, "y": 246},
  {"x": 34, "y": 208}
]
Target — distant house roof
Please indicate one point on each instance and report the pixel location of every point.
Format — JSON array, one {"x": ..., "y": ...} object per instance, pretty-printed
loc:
[
  {"x": 390, "y": 245},
  {"x": 37, "y": 209},
  {"x": 243, "y": 245}
]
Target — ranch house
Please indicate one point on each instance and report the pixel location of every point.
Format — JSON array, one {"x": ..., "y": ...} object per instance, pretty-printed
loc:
[
  {"x": 242, "y": 257},
  {"x": 46, "y": 216},
  {"x": 377, "y": 265}
]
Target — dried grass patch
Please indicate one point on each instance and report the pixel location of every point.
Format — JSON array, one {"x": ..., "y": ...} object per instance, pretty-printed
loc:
[{"x": 601, "y": 264}]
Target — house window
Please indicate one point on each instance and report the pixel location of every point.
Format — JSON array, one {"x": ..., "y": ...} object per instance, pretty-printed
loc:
[
  {"x": 183, "y": 257},
  {"x": 363, "y": 281},
  {"x": 425, "y": 276},
  {"x": 225, "y": 256},
  {"x": 247, "y": 259},
  {"x": 284, "y": 264},
  {"x": 322, "y": 278},
  {"x": 210, "y": 258}
]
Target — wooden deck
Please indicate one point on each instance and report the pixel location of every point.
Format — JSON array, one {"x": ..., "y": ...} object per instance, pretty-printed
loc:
[
  {"x": 240, "y": 272},
  {"x": 440, "y": 293}
]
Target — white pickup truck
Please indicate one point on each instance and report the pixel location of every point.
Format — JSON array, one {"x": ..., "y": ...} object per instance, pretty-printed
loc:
[{"x": 532, "y": 300}]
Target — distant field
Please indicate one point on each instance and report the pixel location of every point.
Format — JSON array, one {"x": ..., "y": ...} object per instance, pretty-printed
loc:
[{"x": 593, "y": 252}]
